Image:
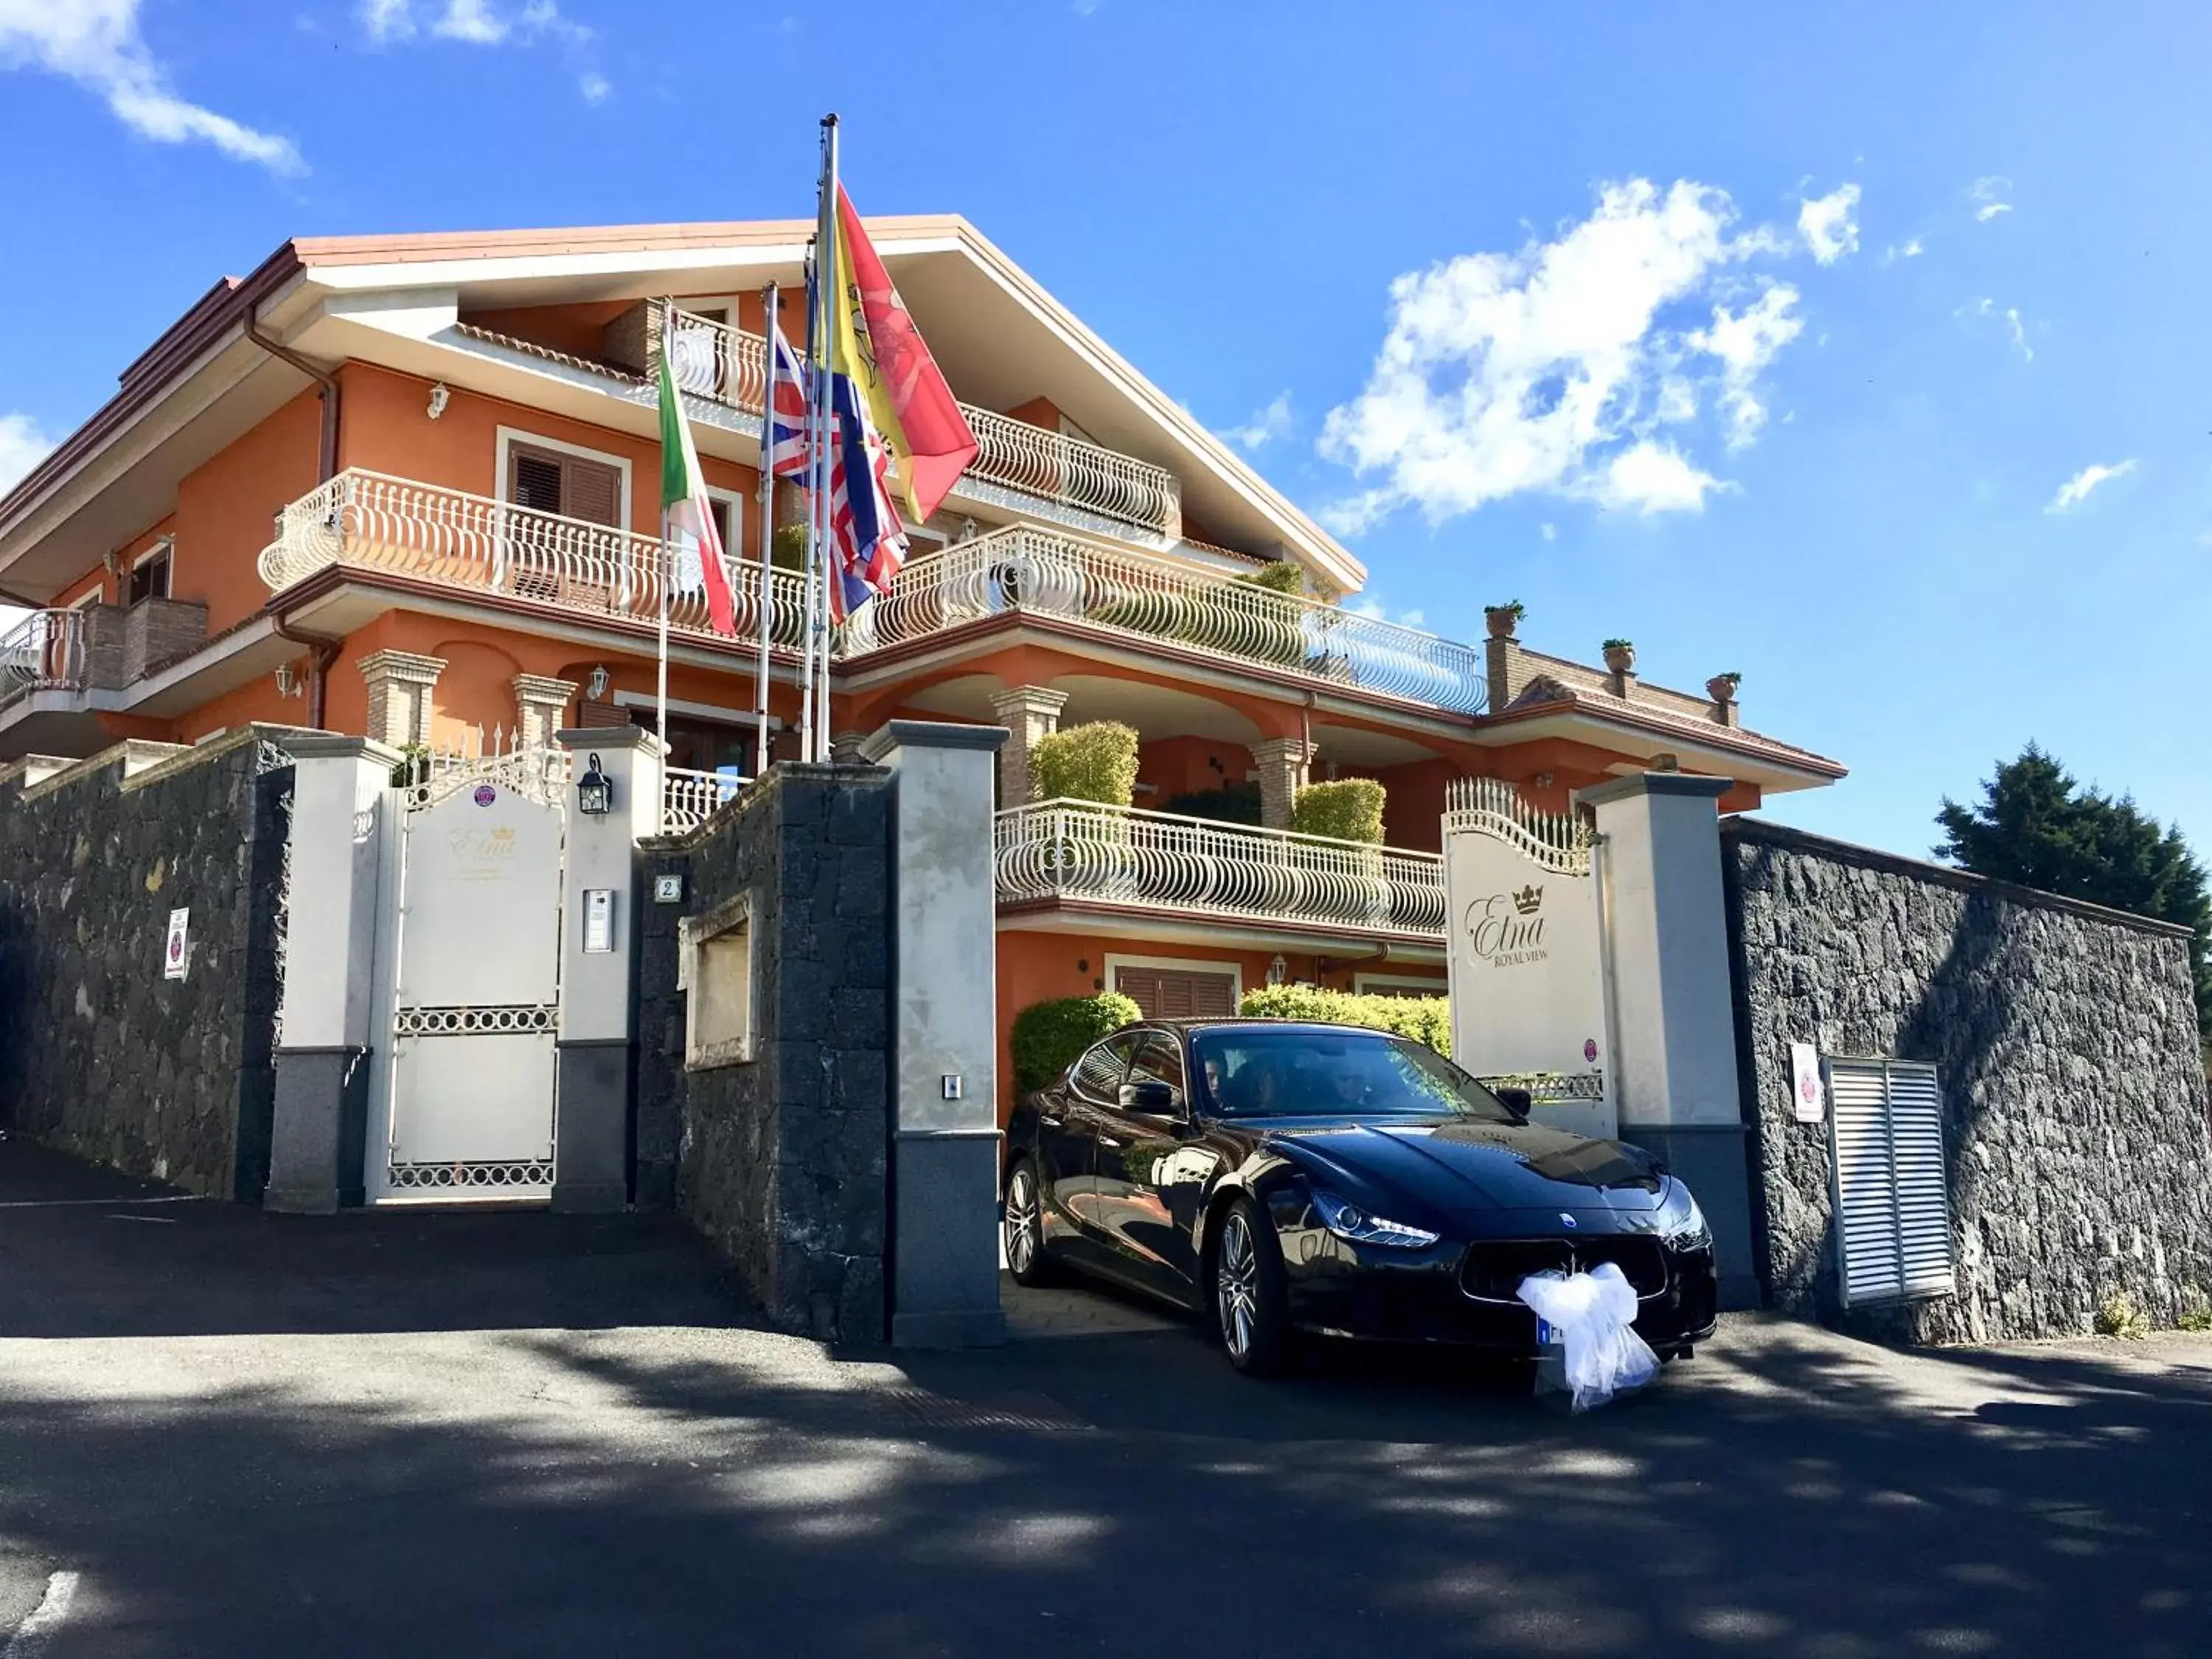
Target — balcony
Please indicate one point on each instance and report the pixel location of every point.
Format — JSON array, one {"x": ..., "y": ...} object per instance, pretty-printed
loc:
[
  {"x": 1025, "y": 571},
  {"x": 1019, "y": 466},
  {"x": 45, "y": 652},
  {"x": 367, "y": 522},
  {"x": 1058, "y": 851}
]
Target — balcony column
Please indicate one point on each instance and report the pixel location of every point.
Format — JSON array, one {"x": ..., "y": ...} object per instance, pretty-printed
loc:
[
  {"x": 1282, "y": 764},
  {"x": 1031, "y": 713},
  {"x": 540, "y": 702},
  {"x": 399, "y": 687}
]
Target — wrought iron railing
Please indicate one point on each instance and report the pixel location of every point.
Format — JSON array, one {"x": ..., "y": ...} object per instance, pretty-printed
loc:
[
  {"x": 1042, "y": 573},
  {"x": 1060, "y": 849},
  {"x": 45, "y": 652},
  {"x": 367, "y": 520},
  {"x": 713, "y": 360},
  {"x": 689, "y": 798}
]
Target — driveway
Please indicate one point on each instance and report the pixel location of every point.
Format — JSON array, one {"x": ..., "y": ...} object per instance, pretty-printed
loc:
[{"x": 225, "y": 1433}]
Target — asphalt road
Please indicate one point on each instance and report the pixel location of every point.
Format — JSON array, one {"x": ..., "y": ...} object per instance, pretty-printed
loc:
[{"x": 226, "y": 1434}]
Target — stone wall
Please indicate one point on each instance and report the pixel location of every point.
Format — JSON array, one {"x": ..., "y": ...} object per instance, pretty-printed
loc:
[
  {"x": 100, "y": 1054},
  {"x": 780, "y": 1158},
  {"x": 2064, "y": 1037}
]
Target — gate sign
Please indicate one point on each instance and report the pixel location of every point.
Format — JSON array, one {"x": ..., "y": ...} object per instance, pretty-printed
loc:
[
  {"x": 1527, "y": 976},
  {"x": 176, "y": 950}
]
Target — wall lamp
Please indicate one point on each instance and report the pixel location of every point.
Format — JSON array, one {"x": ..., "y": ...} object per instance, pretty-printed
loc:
[{"x": 595, "y": 796}]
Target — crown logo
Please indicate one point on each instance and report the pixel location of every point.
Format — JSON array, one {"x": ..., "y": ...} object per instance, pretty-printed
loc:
[{"x": 1527, "y": 900}]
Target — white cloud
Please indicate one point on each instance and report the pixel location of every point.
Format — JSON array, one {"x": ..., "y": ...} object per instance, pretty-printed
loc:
[
  {"x": 1266, "y": 425},
  {"x": 22, "y": 447},
  {"x": 1911, "y": 249},
  {"x": 387, "y": 19},
  {"x": 96, "y": 44},
  {"x": 1827, "y": 225},
  {"x": 2009, "y": 317},
  {"x": 595, "y": 87},
  {"x": 1550, "y": 532},
  {"x": 474, "y": 22},
  {"x": 1988, "y": 196},
  {"x": 1367, "y": 606},
  {"x": 1745, "y": 342},
  {"x": 1553, "y": 368},
  {"x": 2075, "y": 489}
]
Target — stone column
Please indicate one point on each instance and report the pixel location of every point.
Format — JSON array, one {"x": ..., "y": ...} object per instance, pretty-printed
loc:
[
  {"x": 320, "y": 1136},
  {"x": 1673, "y": 998},
  {"x": 845, "y": 747},
  {"x": 1028, "y": 712},
  {"x": 399, "y": 687},
  {"x": 1282, "y": 764},
  {"x": 590, "y": 1153},
  {"x": 944, "y": 1270},
  {"x": 540, "y": 702}
]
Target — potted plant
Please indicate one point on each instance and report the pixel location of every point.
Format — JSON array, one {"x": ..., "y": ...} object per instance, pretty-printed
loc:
[
  {"x": 1722, "y": 687},
  {"x": 1501, "y": 618},
  {"x": 1620, "y": 656}
]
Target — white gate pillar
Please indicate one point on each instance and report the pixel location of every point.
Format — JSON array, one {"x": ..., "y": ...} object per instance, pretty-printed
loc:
[
  {"x": 1673, "y": 998},
  {"x": 598, "y": 942},
  {"x": 943, "y": 1271},
  {"x": 319, "y": 1135}
]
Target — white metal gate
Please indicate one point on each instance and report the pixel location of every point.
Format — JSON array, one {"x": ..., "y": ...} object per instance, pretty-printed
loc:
[{"x": 467, "y": 987}]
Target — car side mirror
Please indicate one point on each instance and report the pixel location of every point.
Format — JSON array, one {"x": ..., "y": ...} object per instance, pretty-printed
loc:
[
  {"x": 1151, "y": 1096},
  {"x": 1516, "y": 1100}
]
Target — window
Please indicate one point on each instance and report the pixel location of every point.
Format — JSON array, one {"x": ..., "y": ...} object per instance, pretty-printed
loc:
[
  {"x": 1276, "y": 1073},
  {"x": 548, "y": 480},
  {"x": 1162, "y": 992},
  {"x": 1161, "y": 1061},
  {"x": 1098, "y": 1074},
  {"x": 714, "y": 970},
  {"x": 149, "y": 575},
  {"x": 1892, "y": 1190}
]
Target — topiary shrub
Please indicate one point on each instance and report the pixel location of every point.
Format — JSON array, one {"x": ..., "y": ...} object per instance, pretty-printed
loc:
[
  {"x": 1048, "y": 1035},
  {"x": 1424, "y": 1019},
  {"x": 1349, "y": 809},
  {"x": 1280, "y": 576},
  {"x": 786, "y": 548},
  {"x": 1097, "y": 762}
]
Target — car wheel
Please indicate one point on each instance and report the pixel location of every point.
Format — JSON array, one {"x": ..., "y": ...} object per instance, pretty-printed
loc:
[
  {"x": 1247, "y": 1303},
  {"x": 1023, "y": 1218}
]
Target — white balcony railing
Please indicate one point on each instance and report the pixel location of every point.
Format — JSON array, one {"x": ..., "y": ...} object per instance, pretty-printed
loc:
[
  {"x": 45, "y": 652},
  {"x": 689, "y": 798},
  {"x": 1060, "y": 849},
  {"x": 1042, "y": 573},
  {"x": 715, "y": 361},
  {"x": 366, "y": 520}
]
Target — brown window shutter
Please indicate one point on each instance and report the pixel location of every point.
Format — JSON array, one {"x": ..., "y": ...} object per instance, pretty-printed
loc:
[
  {"x": 534, "y": 479},
  {"x": 593, "y": 490},
  {"x": 1175, "y": 994}
]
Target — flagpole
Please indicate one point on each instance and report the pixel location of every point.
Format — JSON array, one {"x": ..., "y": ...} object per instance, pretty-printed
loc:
[
  {"x": 767, "y": 526},
  {"x": 661, "y": 687},
  {"x": 813, "y": 453},
  {"x": 834, "y": 267}
]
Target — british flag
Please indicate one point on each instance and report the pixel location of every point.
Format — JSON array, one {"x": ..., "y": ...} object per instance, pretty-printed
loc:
[
  {"x": 787, "y": 448},
  {"x": 867, "y": 543}
]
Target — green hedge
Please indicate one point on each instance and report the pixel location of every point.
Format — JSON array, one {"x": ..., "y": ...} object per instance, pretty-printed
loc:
[
  {"x": 1349, "y": 809},
  {"x": 1048, "y": 1035},
  {"x": 1424, "y": 1019},
  {"x": 1281, "y": 576},
  {"x": 1098, "y": 762}
]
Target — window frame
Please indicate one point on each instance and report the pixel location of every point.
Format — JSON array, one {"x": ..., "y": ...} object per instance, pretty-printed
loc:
[
  {"x": 163, "y": 548},
  {"x": 1154, "y": 1035},
  {"x": 1133, "y": 1035},
  {"x": 507, "y": 437},
  {"x": 708, "y": 946},
  {"x": 1114, "y": 962}
]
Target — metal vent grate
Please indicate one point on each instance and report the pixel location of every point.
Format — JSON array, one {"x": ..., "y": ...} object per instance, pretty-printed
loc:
[{"x": 1891, "y": 1185}]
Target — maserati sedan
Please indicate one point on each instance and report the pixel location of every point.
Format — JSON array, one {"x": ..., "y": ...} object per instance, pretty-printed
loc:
[{"x": 1284, "y": 1179}]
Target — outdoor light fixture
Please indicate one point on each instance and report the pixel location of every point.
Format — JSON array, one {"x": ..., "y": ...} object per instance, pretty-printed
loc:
[
  {"x": 595, "y": 796},
  {"x": 1277, "y": 971},
  {"x": 596, "y": 686},
  {"x": 439, "y": 398},
  {"x": 287, "y": 683}
]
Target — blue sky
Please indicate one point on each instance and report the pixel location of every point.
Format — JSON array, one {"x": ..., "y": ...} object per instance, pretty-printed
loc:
[{"x": 1862, "y": 357}]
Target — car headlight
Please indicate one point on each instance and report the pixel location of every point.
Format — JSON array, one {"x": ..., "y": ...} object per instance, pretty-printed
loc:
[
  {"x": 1350, "y": 1221},
  {"x": 1681, "y": 1223}
]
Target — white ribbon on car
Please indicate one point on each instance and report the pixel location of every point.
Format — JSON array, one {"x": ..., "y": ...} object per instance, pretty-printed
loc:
[{"x": 1593, "y": 1315}]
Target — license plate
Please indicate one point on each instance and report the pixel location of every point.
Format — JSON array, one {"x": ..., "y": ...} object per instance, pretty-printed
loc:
[{"x": 1545, "y": 1335}]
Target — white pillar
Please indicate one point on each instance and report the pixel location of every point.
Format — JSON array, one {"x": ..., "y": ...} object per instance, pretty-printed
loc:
[
  {"x": 599, "y": 943},
  {"x": 943, "y": 1274},
  {"x": 1029, "y": 713},
  {"x": 1674, "y": 1000},
  {"x": 340, "y": 811}
]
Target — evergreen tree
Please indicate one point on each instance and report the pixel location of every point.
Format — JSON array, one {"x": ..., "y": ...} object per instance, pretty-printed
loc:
[{"x": 2036, "y": 826}]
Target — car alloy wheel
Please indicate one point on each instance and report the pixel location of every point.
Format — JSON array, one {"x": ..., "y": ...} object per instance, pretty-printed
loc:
[
  {"x": 1247, "y": 1292},
  {"x": 1023, "y": 1222},
  {"x": 1236, "y": 1287}
]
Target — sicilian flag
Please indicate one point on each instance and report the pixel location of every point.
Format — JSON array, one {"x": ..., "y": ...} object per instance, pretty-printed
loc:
[
  {"x": 686, "y": 522},
  {"x": 787, "y": 449},
  {"x": 908, "y": 401}
]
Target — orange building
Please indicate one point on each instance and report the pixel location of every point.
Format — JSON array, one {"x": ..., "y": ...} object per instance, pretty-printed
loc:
[{"x": 407, "y": 487}]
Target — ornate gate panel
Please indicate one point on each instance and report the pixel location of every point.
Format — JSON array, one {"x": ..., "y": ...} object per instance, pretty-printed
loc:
[{"x": 469, "y": 986}]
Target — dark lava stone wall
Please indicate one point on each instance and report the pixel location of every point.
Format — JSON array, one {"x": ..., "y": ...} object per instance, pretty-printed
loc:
[
  {"x": 781, "y": 1160},
  {"x": 99, "y": 1054},
  {"x": 2064, "y": 1037}
]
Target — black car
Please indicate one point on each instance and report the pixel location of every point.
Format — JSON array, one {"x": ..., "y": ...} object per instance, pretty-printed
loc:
[{"x": 1283, "y": 1177}]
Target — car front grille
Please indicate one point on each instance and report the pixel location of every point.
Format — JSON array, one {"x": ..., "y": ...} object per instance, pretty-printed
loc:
[{"x": 1494, "y": 1267}]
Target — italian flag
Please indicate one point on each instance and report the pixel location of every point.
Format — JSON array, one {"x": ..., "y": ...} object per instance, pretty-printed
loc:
[{"x": 686, "y": 522}]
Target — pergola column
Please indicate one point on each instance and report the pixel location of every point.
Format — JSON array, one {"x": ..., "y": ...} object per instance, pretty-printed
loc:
[
  {"x": 1030, "y": 713},
  {"x": 1281, "y": 763},
  {"x": 399, "y": 687}
]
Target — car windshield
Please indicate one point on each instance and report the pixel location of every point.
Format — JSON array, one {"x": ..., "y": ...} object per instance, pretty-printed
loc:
[{"x": 1261, "y": 1073}]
